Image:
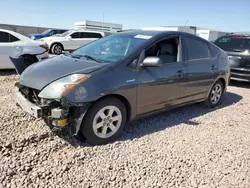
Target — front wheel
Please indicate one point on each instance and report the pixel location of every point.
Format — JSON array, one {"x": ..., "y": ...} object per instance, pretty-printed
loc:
[
  {"x": 215, "y": 94},
  {"x": 104, "y": 121}
]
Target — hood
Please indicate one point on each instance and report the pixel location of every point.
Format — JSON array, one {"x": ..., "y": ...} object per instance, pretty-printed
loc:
[{"x": 38, "y": 75}]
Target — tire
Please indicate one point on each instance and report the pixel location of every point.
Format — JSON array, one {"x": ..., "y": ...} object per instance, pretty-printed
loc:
[
  {"x": 215, "y": 94},
  {"x": 56, "y": 49},
  {"x": 98, "y": 121}
]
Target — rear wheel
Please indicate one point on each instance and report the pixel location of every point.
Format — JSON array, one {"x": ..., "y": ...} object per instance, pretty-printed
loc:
[
  {"x": 57, "y": 49},
  {"x": 104, "y": 121},
  {"x": 215, "y": 94}
]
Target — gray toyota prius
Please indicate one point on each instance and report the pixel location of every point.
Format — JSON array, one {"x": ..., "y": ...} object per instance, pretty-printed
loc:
[{"x": 97, "y": 89}]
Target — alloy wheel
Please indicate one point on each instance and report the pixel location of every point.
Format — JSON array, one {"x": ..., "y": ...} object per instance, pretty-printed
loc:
[
  {"x": 107, "y": 121},
  {"x": 57, "y": 49},
  {"x": 216, "y": 93}
]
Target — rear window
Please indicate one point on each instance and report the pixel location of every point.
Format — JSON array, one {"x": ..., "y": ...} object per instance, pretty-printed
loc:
[
  {"x": 13, "y": 38},
  {"x": 90, "y": 35},
  {"x": 4, "y": 37},
  {"x": 233, "y": 43}
]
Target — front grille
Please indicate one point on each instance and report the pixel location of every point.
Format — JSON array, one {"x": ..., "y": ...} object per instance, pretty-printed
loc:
[
  {"x": 242, "y": 71},
  {"x": 29, "y": 93}
]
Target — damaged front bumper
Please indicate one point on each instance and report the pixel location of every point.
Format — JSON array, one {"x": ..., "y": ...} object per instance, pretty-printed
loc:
[{"x": 56, "y": 114}]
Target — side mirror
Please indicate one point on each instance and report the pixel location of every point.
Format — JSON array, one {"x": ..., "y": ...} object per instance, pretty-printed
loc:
[{"x": 151, "y": 62}]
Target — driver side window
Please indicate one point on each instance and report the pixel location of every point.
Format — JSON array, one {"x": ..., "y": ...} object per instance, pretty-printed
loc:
[
  {"x": 166, "y": 50},
  {"x": 75, "y": 35}
]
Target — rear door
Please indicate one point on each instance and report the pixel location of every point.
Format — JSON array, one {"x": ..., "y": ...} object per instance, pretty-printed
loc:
[
  {"x": 201, "y": 68},
  {"x": 73, "y": 42}
]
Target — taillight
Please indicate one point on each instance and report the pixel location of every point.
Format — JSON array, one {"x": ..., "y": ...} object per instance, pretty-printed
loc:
[{"x": 46, "y": 47}]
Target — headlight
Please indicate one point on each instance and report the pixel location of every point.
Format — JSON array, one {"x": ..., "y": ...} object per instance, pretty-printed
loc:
[
  {"x": 33, "y": 37},
  {"x": 60, "y": 87}
]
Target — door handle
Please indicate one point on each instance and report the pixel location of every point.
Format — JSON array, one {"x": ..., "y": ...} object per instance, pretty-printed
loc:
[{"x": 179, "y": 73}]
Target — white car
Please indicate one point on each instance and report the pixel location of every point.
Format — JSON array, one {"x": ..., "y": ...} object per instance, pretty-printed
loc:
[
  {"x": 18, "y": 51},
  {"x": 71, "y": 40}
]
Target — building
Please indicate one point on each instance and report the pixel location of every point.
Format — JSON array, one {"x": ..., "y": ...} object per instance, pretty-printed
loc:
[
  {"x": 98, "y": 26},
  {"x": 209, "y": 34},
  {"x": 24, "y": 30}
]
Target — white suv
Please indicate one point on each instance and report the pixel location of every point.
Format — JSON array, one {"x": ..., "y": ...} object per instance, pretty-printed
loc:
[{"x": 71, "y": 40}]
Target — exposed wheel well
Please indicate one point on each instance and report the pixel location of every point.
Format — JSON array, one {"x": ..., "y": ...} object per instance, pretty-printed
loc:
[
  {"x": 123, "y": 100},
  {"x": 223, "y": 82},
  {"x": 29, "y": 56}
]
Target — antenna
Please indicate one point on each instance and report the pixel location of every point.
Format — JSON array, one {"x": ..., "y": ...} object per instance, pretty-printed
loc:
[
  {"x": 185, "y": 25},
  {"x": 102, "y": 20}
]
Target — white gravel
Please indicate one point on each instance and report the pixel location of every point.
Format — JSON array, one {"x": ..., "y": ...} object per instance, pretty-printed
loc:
[{"x": 192, "y": 146}]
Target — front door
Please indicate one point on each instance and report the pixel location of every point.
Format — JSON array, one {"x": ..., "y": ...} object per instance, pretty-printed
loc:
[{"x": 162, "y": 87}]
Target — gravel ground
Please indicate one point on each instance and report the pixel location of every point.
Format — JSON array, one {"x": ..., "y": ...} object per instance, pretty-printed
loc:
[{"x": 190, "y": 146}]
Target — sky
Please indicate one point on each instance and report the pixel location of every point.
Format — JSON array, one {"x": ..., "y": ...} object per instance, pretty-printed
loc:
[{"x": 222, "y": 15}]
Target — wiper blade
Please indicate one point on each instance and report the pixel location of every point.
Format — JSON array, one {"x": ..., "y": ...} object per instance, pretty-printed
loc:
[
  {"x": 90, "y": 57},
  {"x": 78, "y": 56}
]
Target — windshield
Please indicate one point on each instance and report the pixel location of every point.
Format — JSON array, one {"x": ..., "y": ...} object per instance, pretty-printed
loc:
[
  {"x": 233, "y": 43},
  {"x": 47, "y": 31},
  {"x": 111, "y": 48}
]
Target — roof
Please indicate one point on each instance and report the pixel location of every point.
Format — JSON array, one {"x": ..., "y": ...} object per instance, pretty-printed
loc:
[
  {"x": 198, "y": 28},
  {"x": 152, "y": 32},
  {"x": 85, "y": 30}
]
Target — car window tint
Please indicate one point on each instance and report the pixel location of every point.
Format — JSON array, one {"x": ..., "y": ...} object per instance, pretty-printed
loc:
[
  {"x": 90, "y": 35},
  {"x": 75, "y": 35},
  {"x": 213, "y": 49},
  {"x": 196, "y": 49},
  {"x": 95, "y": 35},
  {"x": 4, "y": 37},
  {"x": 83, "y": 35},
  {"x": 13, "y": 38}
]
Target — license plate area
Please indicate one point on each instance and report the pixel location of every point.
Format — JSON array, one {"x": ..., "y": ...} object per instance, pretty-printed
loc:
[{"x": 26, "y": 105}]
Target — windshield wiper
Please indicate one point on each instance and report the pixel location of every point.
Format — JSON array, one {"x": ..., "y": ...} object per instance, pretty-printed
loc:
[
  {"x": 78, "y": 56},
  {"x": 90, "y": 57}
]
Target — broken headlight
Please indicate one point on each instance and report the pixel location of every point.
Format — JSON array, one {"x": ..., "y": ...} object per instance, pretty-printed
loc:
[{"x": 60, "y": 87}]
